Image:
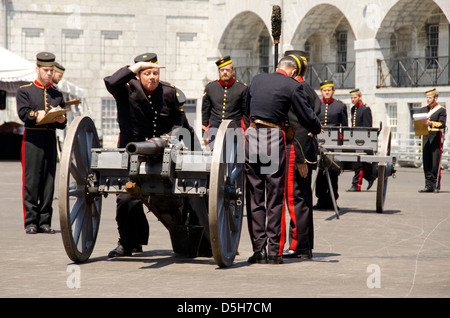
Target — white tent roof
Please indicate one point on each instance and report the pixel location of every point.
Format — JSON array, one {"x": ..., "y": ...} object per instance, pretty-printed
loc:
[{"x": 15, "y": 70}]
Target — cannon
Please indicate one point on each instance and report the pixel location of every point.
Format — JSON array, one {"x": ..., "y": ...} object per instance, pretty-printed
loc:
[
  {"x": 352, "y": 148},
  {"x": 196, "y": 194}
]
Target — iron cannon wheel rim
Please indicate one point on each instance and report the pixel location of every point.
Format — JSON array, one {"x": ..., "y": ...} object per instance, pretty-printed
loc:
[
  {"x": 225, "y": 214},
  {"x": 79, "y": 211},
  {"x": 382, "y": 178}
]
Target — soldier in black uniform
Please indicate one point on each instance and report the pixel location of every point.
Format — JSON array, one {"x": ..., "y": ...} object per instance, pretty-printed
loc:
[
  {"x": 58, "y": 73},
  {"x": 361, "y": 117},
  {"x": 39, "y": 154},
  {"x": 146, "y": 108},
  {"x": 301, "y": 157},
  {"x": 433, "y": 142},
  {"x": 224, "y": 99},
  {"x": 333, "y": 113},
  {"x": 269, "y": 99}
]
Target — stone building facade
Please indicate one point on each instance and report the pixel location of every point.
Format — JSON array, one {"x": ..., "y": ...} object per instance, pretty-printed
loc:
[{"x": 392, "y": 50}]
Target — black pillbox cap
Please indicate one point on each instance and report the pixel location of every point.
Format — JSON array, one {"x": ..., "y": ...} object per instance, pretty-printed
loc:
[
  {"x": 59, "y": 68},
  {"x": 146, "y": 57},
  {"x": 45, "y": 59}
]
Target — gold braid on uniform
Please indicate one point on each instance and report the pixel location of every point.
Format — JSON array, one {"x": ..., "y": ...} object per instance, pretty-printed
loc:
[{"x": 301, "y": 148}]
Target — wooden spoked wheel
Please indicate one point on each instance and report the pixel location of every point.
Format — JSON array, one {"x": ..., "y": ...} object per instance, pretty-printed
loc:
[
  {"x": 226, "y": 193},
  {"x": 79, "y": 209},
  {"x": 382, "y": 170}
]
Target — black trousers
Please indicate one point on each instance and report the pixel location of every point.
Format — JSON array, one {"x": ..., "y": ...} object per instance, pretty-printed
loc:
[
  {"x": 300, "y": 205},
  {"x": 131, "y": 221},
  {"x": 431, "y": 157},
  {"x": 265, "y": 169},
  {"x": 39, "y": 157},
  {"x": 365, "y": 173},
  {"x": 323, "y": 193}
]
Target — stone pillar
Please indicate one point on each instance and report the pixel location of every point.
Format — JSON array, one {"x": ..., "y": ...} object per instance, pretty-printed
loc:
[{"x": 366, "y": 54}]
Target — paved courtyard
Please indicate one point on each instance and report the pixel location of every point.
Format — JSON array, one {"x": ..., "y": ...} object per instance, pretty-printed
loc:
[{"x": 403, "y": 252}]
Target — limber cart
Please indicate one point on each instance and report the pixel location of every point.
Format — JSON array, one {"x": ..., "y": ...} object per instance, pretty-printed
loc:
[
  {"x": 196, "y": 194},
  {"x": 354, "y": 148}
]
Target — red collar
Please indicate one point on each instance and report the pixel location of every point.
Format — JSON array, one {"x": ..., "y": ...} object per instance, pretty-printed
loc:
[
  {"x": 299, "y": 79},
  {"x": 38, "y": 84},
  {"x": 359, "y": 104},
  {"x": 281, "y": 71},
  {"x": 231, "y": 82},
  {"x": 329, "y": 101},
  {"x": 431, "y": 107}
]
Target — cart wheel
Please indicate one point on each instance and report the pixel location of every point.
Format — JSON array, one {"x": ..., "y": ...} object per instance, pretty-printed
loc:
[
  {"x": 226, "y": 193},
  {"x": 381, "y": 187},
  {"x": 382, "y": 175},
  {"x": 79, "y": 210}
]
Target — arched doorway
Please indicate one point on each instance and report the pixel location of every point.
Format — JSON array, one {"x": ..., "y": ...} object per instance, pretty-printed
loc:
[
  {"x": 327, "y": 37},
  {"x": 411, "y": 39},
  {"x": 247, "y": 40}
]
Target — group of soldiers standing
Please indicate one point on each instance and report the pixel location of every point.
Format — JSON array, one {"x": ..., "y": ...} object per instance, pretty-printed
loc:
[{"x": 266, "y": 110}]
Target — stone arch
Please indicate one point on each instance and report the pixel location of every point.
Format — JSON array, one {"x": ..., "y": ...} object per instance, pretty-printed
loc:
[
  {"x": 404, "y": 37},
  {"x": 411, "y": 15},
  {"x": 319, "y": 34},
  {"x": 248, "y": 41}
]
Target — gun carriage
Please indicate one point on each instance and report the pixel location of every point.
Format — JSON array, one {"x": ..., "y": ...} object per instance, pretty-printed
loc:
[
  {"x": 354, "y": 148},
  {"x": 196, "y": 194}
]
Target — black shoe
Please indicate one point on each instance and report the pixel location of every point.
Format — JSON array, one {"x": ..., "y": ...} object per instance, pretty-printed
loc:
[
  {"x": 426, "y": 190},
  {"x": 138, "y": 249},
  {"x": 307, "y": 254},
  {"x": 119, "y": 251},
  {"x": 274, "y": 259},
  {"x": 258, "y": 257},
  {"x": 320, "y": 206},
  {"x": 352, "y": 189},
  {"x": 46, "y": 229},
  {"x": 370, "y": 184},
  {"x": 30, "y": 229},
  {"x": 290, "y": 254},
  {"x": 323, "y": 206}
]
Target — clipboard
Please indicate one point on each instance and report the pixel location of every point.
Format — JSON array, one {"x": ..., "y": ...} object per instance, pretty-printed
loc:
[
  {"x": 51, "y": 114},
  {"x": 420, "y": 128}
]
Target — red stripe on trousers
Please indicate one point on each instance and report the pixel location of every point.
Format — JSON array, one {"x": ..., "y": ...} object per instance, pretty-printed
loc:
[
  {"x": 361, "y": 173},
  {"x": 290, "y": 191},
  {"x": 23, "y": 176},
  {"x": 283, "y": 217}
]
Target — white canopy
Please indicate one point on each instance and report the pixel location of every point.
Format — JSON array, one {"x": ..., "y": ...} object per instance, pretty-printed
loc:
[{"x": 15, "y": 71}]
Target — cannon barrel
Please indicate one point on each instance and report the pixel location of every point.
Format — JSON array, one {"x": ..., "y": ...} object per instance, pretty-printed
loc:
[{"x": 153, "y": 148}]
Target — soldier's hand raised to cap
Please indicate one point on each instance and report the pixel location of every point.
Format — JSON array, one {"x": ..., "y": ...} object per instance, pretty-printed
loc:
[{"x": 139, "y": 66}]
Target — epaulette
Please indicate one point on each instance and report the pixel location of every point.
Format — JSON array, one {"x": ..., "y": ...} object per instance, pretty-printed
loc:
[
  {"x": 212, "y": 81},
  {"x": 167, "y": 84},
  {"x": 366, "y": 105},
  {"x": 243, "y": 83},
  {"x": 26, "y": 85}
]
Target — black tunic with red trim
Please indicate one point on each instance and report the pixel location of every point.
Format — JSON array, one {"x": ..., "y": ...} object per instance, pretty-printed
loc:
[
  {"x": 270, "y": 98},
  {"x": 34, "y": 97},
  {"x": 432, "y": 146},
  {"x": 333, "y": 113},
  {"x": 304, "y": 150},
  {"x": 39, "y": 154},
  {"x": 361, "y": 115},
  {"x": 222, "y": 101},
  {"x": 142, "y": 115}
]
